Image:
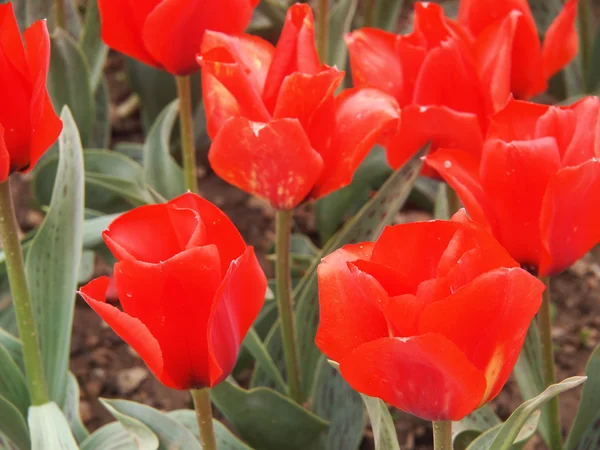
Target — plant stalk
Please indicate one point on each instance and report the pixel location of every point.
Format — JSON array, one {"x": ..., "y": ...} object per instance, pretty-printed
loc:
[
  {"x": 13, "y": 252},
  {"x": 548, "y": 367},
  {"x": 285, "y": 302},
  {"x": 203, "y": 407},
  {"x": 442, "y": 435},
  {"x": 186, "y": 123},
  {"x": 59, "y": 11},
  {"x": 323, "y": 30}
]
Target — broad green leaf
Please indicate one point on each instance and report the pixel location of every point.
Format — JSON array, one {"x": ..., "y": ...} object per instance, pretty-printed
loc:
[
  {"x": 93, "y": 228},
  {"x": 388, "y": 13},
  {"x": 587, "y": 420},
  {"x": 225, "y": 438},
  {"x": 441, "y": 210},
  {"x": 52, "y": 264},
  {"x": 49, "y": 429},
  {"x": 266, "y": 419},
  {"x": 593, "y": 75},
  {"x": 483, "y": 441},
  {"x": 512, "y": 427},
  {"x": 100, "y": 137},
  {"x": 334, "y": 400},
  {"x": 86, "y": 267},
  {"x": 469, "y": 428},
  {"x": 171, "y": 434},
  {"x": 255, "y": 346},
  {"x": 340, "y": 21},
  {"x": 13, "y": 346},
  {"x": 163, "y": 174},
  {"x": 69, "y": 82},
  {"x": 71, "y": 409},
  {"x": 13, "y": 425},
  {"x": 260, "y": 376},
  {"x": 384, "y": 430},
  {"x": 133, "y": 150},
  {"x": 8, "y": 321},
  {"x": 29, "y": 11},
  {"x": 12, "y": 382},
  {"x": 92, "y": 45},
  {"x": 112, "y": 436}
]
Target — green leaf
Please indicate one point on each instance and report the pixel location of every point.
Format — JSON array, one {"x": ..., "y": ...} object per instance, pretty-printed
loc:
[
  {"x": 12, "y": 382},
  {"x": 100, "y": 137},
  {"x": 483, "y": 441},
  {"x": 468, "y": 429},
  {"x": 586, "y": 424},
  {"x": 340, "y": 21},
  {"x": 13, "y": 346},
  {"x": 225, "y": 438},
  {"x": 388, "y": 13},
  {"x": 92, "y": 45},
  {"x": 441, "y": 210},
  {"x": 384, "y": 430},
  {"x": 112, "y": 436},
  {"x": 255, "y": 346},
  {"x": 86, "y": 266},
  {"x": 49, "y": 429},
  {"x": 69, "y": 82},
  {"x": 93, "y": 228},
  {"x": 29, "y": 11},
  {"x": 511, "y": 428},
  {"x": 13, "y": 425},
  {"x": 163, "y": 174},
  {"x": 171, "y": 434},
  {"x": 266, "y": 419},
  {"x": 334, "y": 400},
  {"x": 133, "y": 150},
  {"x": 52, "y": 264},
  {"x": 593, "y": 81},
  {"x": 71, "y": 409}
]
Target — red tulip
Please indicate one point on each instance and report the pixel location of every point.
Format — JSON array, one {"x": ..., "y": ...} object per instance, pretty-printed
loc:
[
  {"x": 189, "y": 286},
  {"x": 432, "y": 74},
  {"x": 538, "y": 184},
  {"x": 430, "y": 318},
  {"x": 506, "y": 29},
  {"x": 278, "y": 131},
  {"x": 28, "y": 123},
  {"x": 167, "y": 33}
]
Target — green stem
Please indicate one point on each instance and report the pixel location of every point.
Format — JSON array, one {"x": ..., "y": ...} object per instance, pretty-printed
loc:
[
  {"x": 442, "y": 435},
  {"x": 285, "y": 302},
  {"x": 586, "y": 34},
  {"x": 454, "y": 203},
  {"x": 186, "y": 123},
  {"x": 203, "y": 407},
  {"x": 323, "y": 30},
  {"x": 59, "y": 11},
  {"x": 13, "y": 253},
  {"x": 548, "y": 367},
  {"x": 369, "y": 8}
]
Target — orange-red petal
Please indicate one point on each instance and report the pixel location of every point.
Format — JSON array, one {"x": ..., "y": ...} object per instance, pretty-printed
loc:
[{"x": 561, "y": 42}]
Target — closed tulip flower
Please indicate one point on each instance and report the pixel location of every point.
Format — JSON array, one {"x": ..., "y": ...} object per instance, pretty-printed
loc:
[
  {"x": 278, "y": 130},
  {"x": 28, "y": 123},
  {"x": 538, "y": 184},
  {"x": 189, "y": 288},
  {"x": 167, "y": 33},
  {"x": 429, "y": 318}
]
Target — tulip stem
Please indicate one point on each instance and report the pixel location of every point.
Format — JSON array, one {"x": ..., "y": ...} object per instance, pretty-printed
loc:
[
  {"x": 186, "y": 124},
  {"x": 59, "y": 11},
  {"x": 442, "y": 435},
  {"x": 203, "y": 407},
  {"x": 323, "y": 30},
  {"x": 548, "y": 367},
  {"x": 285, "y": 302},
  {"x": 13, "y": 253}
]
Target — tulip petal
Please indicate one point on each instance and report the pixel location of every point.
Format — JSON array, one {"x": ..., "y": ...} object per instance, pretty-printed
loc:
[
  {"x": 505, "y": 300},
  {"x": 561, "y": 42},
  {"x": 515, "y": 176},
  {"x": 182, "y": 25},
  {"x": 130, "y": 329},
  {"x": 295, "y": 51},
  {"x": 427, "y": 376},
  {"x": 362, "y": 117},
  {"x": 237, "y": 302},
  {"x": 461, "y": 171},
  {"x": 4, "y": 158},
  {"x": 375, "y": 63},
  {"x": 11, "y": 45},
  {"x": 561, "y": 124},
  {"x": 173, "y": 299},
  {"x": 585, "y": 141},
  {"x": 570, "y": 219},
  {"x": 169, "y": 229},
  {"x": 218, "y": 228},
  {"x": 440, "y": 125},
  {"x": 516, "y": 121},
  {"x": 349, "y": 301},
  {"x": 122, "y": 25},
  {"x": 272, "y": 160}
]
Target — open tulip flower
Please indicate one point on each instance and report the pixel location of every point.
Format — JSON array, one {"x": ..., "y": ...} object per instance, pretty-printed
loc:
[
  {"x": 538, "y": 184},
  {"x": 278, "y": 130},
  {"x": 28, "y": 123},
  {"x": 189, "y": 286},
  {"x": 167, "y": 33},
  {"x": 430, "y": 318}
]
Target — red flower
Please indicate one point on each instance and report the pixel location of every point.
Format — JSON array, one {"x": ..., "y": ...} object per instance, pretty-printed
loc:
[
  {"x": 167, "y": 33},
  {"x": 538, "y": 184},
  {"x": 28, "y": 123},
  {"x": 506, "y": 30},
  {"x": 278, "y": 131},
  {"x": 189, "y": 287},
  {"x": 432, "y": 74},
  {"x": 430, "y": 318}
]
